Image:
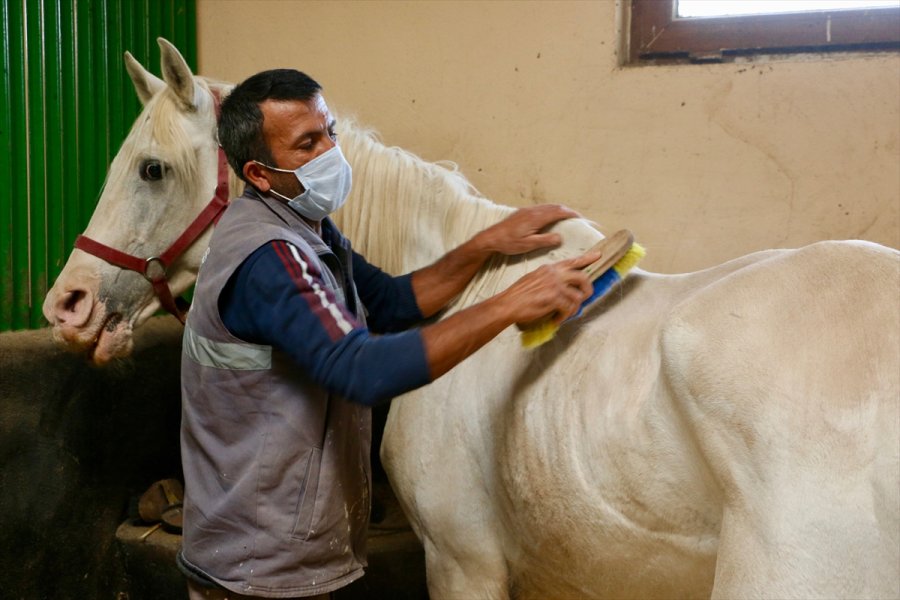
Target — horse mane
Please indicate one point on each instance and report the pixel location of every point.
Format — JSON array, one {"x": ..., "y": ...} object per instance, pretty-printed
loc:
[
  {"x": 404, "y": 213},
  {"x": 398, "y": 199}
]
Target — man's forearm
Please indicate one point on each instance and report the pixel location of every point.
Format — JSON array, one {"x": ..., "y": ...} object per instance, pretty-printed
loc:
[
  {"x": 556, "y": 289},
  {"x": 450, "y": 341},
  {"x": 437, "y": 284}
]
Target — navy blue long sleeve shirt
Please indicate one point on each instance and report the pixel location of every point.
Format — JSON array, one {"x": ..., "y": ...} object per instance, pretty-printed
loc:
[{"x": 278, "y": 298}]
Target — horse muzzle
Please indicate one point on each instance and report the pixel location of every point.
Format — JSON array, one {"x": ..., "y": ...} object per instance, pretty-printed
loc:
[{"x": 83, "y": 324}]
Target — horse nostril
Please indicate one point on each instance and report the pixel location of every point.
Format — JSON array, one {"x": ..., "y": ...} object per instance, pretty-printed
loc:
[
  {"x": 71, "y": 300},
  {"x": 73, "y": 308}
]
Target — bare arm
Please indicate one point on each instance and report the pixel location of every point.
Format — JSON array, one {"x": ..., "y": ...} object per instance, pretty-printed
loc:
[
  {"x": 436, "y": 285},
  {"x": 558, "y": 288}
]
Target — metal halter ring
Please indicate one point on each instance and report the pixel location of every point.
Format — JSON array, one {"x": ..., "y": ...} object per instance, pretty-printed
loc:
[{"x": 161, "y": 269}]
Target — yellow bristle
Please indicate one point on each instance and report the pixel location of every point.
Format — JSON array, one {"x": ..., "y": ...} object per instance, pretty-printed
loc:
[
  {"x": 631, "y": 258},
  {"x": 542, "y": 333}
]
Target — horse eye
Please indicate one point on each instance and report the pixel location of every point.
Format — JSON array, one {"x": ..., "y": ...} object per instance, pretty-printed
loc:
[{"x": 151, "y": 170}]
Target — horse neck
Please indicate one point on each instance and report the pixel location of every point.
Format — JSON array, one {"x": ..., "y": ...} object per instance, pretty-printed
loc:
[{"x": 404, "y": 213}]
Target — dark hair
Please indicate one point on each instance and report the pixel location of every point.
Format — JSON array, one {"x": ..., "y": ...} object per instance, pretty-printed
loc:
[{"x": 241, "y": 120}]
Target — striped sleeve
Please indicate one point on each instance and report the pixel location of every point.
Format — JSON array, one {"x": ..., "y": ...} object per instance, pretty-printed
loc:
[
  {"x": 307, "y": 281},
  {"x": 390, "y": 301},
  {"x": 277, "y": 297}
]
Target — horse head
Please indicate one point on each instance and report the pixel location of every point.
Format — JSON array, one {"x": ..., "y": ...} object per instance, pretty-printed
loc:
[{"x": 130, "y": 259}]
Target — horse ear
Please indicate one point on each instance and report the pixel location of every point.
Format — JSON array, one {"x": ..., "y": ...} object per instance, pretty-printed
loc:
[
  {"x": 146, "y": 84},
  {"x": 177, "y": 73}
]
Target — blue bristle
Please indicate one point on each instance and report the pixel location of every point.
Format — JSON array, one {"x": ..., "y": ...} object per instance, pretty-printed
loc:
[{"x": 601, "y": 285}]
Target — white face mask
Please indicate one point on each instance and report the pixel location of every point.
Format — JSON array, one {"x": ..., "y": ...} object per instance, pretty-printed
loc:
[{"x": 326, "y": 182}]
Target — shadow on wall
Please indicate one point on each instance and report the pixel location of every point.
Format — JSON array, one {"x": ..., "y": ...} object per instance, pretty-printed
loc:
[{"x": 78, "y": 445}]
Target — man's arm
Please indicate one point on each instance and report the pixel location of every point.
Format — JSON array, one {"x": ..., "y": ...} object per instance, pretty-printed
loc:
[
  {"x": 557, "y": 289},
  {"x": 436, "y": 285},
  {"x": 277, "y": 298},
  {"x": 390, "y": 301}
]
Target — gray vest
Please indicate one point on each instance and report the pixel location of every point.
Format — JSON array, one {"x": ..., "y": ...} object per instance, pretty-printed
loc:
[{"x": 277, "y": 475}]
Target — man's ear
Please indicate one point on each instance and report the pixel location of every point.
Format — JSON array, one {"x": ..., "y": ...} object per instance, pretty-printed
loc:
[{"x": 255, "y": 174}]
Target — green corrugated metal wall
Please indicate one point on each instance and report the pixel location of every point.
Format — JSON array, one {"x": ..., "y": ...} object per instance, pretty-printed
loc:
[{"x": 66, "y": 104}]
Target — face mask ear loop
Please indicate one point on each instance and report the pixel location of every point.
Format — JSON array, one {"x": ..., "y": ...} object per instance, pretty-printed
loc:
[
  {"x": 271, "y": 168},
  {"x": 281, "y": 196},
  {"x": 271, "y": 189}
]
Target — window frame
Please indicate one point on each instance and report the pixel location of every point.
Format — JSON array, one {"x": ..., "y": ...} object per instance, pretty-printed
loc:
[{"x": 657, "y": 35}]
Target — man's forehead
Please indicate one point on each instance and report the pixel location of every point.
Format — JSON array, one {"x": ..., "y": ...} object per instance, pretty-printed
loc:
[
  {"x": 319, "y": 102},
  {"x": 296, "y": 109}
]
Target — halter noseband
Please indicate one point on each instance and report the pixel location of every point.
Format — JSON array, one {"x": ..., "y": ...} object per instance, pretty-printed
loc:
[{"x": 154, "y": 268}]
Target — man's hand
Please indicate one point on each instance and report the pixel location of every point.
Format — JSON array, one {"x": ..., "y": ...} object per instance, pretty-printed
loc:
[
  {"x": 555, "y": 290},
  {"x": 521, "y": 232}
]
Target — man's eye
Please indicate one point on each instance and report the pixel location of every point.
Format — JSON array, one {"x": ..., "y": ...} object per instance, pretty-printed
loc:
[
  {"x": 333, "y": 135},
  {"x": 151, "y": 170}
]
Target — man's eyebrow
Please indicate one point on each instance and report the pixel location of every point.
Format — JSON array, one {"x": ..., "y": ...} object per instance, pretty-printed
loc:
[
  {"x": 300, "y": 137},
  {"x": 309, "y": 133}
]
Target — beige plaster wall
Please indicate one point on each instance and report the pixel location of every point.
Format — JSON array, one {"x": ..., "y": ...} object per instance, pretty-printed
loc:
[{"x": 703, "y": 163}]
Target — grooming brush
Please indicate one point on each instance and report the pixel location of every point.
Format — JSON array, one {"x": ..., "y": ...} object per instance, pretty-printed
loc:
[{"x": 618, "y": 255}]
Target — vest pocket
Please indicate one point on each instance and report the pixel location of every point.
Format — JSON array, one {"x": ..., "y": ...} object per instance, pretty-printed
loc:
[{"x": 306, "y": 503}]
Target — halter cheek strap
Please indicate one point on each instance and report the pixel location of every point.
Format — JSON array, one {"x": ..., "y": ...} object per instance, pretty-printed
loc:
[{"x": 154, "y": 268}]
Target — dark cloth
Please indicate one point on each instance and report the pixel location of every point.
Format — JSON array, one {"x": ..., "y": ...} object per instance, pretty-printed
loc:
[{"x": 272, "y": 299}]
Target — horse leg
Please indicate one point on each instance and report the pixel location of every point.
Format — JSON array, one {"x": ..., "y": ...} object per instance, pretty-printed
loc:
[
  {"x": 447, "y": 506},
  {"x": 464, "y": 558},
  {"x": 805, "y": 544},
  {"x": 470, "y": 575}
]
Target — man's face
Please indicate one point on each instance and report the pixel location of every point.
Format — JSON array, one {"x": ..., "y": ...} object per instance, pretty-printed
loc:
[{"x": 296, "y": 132}]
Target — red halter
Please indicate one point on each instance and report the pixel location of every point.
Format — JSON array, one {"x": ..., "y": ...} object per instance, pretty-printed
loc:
[{"x": 156, "y": 275}]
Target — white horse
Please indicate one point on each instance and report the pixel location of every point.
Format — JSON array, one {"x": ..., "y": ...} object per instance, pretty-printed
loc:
[{"x": 728, "y": 433}]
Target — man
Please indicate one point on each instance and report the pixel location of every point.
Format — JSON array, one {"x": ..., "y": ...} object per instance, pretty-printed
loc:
[{"x": 280, "y": 369}]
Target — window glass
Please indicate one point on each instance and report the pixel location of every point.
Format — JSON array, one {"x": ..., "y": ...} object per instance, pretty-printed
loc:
[
  {"x": 703, "y": 31},
  {"x": 722, "y": 8}
]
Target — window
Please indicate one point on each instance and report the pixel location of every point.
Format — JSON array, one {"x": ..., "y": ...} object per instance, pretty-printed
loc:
[{"x": 719, "y": 30}]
